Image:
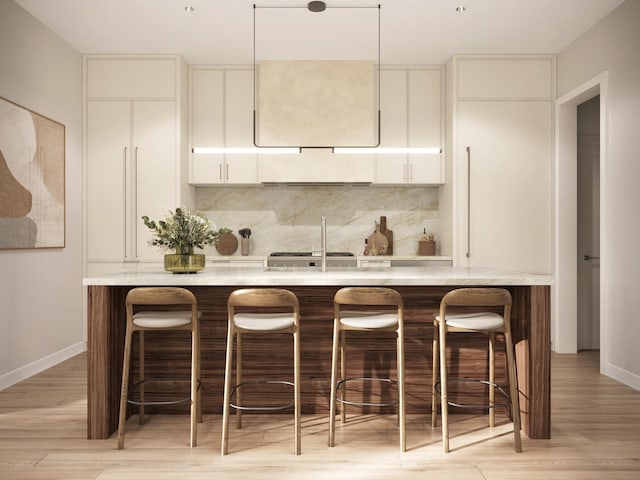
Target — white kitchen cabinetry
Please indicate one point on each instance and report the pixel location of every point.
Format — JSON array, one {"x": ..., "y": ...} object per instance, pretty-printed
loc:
[
  {"x": 222, "y": 116},
  {"x": 133, "y": 155},
  {"x": 500, "y": 197},
  {"x": 412, "y": 115}
]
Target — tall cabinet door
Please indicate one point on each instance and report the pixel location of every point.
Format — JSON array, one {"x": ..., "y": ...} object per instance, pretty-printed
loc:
[
  {"x": 153, "y": 171},
  {"x": 109, "y": 157},
  {"x": 508, "y": 174}
]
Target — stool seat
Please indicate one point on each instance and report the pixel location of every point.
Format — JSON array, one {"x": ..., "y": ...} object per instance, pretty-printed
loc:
[
  {"x": 263, "y": 322},
  {"x": 368, "y": 320},
  {"x": 473, "y": 320},
  {"x": 160, "y": 319}
]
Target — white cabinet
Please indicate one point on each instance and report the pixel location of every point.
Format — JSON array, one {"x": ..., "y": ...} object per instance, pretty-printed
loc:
[
  {"x": 501, "y": 196},
  {"x": 222, "y": 116},
  {"x": 412, "y": 115},
  {"x": 132, "y": 160},
  {"x": 130, "y": 172}
]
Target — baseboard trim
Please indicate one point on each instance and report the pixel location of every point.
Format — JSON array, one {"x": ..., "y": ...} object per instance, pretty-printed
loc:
[
  {"x": 623, "y": 376},
  {"x": 22, "y": 373}
]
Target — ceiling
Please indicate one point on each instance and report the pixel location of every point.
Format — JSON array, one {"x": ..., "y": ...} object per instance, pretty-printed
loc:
[{"x": 411, "y": 31}]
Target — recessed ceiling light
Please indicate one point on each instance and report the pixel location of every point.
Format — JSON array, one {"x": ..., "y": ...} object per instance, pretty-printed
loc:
[
  {"x": 189, "y": 8},
  {"x": 461, "y": 9}
]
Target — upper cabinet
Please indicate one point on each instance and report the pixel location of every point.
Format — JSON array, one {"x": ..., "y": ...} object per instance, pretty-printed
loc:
[
  {"x": 499, "y": 201},
  {"x": 412, "y": 115},
  {"x": 221, "y": 115},
  {"x": 133, "y": 154}
]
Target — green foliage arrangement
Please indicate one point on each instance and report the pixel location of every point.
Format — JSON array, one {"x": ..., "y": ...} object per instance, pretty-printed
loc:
[{"x": 183, "y": 231}]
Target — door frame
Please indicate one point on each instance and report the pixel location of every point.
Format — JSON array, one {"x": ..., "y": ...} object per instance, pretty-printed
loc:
[{"x": 565, "y": 292}]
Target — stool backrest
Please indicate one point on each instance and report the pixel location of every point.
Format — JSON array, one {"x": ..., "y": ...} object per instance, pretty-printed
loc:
[
  {"x": 368, "y": 296},
  {"x": 160, "y": 296},
  {"x": 277, "y": 298},
  {"x": 480, "y": 297}
]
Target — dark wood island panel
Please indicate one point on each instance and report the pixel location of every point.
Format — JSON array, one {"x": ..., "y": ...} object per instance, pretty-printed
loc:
[{"x": 272, "y": 356}]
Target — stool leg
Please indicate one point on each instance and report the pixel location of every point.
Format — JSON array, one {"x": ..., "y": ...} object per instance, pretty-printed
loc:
[
  {"x": 296, "y": 388},
  {"x": 444, "y": 405},
  {"x": 401, "y": 405},
  {"x": 125, "y": 386},
  {"x": 492, "y": 379},
  {"x": 238, "y": 379},
  {"x": 434, "y": 377},
  {"x": 227, "y": 390},
  {"x": 141, "y": 416},
  {"x": 343, "y": 375},
  {"x": 195, "y": 403},
  {"x": 334, "y": 381},
  {"x": 198, "y": 377},
  {"x": 513, "y": 391}
]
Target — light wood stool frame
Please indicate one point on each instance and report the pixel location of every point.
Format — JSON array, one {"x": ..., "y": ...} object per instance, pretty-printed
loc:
[
  {"x": 259, "y": 298},
  {"x": 152, "y": 297},
  {"x": 365, "y": 296},
  {"x": 474, "y": 297}
]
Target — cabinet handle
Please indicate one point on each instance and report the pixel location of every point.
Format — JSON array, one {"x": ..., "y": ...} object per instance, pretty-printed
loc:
[
  {"x": 226, "y": 171},
  {"x": 134, "y": 229},
  {"x": 468, "y": 202},
  {"x": 410, "y": 171},
  {"x": 124, "y": 201},
  {"x": 220, "y": 171}
]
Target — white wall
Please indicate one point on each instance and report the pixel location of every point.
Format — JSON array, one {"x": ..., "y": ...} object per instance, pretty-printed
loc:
[
  {"x": 41, "y": 290},
  {"x": 611, "y": 46}
]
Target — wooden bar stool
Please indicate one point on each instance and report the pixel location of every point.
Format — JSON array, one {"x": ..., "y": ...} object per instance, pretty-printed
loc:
[
  {"x": 469, "y": 315},
  {"x": 143, "y": 315},
  {"x": 388, "y": 319},
  {"x": 244, "y": 319}
]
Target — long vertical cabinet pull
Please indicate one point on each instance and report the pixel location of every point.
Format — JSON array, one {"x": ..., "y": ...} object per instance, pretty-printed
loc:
[
  {"x": 468, "y": 201},
  {"x": 124, "y": 203},
  {"x": 134, "y": 183}
]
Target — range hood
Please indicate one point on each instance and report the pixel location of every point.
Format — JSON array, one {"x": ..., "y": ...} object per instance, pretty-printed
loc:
[{"x": 316, "y": 104}]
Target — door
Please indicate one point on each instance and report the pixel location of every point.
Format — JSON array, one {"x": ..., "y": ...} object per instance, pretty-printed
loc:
[
  {"x": 505, "y": 216},
  {"x": 588, "y": 155}
]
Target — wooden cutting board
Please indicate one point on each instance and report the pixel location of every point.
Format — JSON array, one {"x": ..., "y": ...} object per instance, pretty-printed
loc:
[
  {"x": 387, "y": 233},
  {"x": 378, "y": 243}
]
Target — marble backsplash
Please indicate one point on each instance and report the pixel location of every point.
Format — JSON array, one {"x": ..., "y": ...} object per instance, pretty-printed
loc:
[{"x": 287, "y": 218}]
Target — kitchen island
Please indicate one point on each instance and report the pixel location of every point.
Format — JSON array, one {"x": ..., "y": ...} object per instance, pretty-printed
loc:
[{"x": 421, "y": 288}]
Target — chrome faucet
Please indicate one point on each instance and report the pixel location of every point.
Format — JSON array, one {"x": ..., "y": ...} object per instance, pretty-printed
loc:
[{"x": 323, "y": 242}]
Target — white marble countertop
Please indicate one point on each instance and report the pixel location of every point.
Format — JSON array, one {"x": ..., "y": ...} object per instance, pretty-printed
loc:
[{"x": 398, "y": 276}]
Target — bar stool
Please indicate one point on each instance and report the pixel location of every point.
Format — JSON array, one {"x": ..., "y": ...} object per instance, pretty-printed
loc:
[
  {"x": 147, "y": 317},
  {"x": 387, "y": 319},
  {"x": 463, "y": 319},
  {"x": 244, "y": 321}
]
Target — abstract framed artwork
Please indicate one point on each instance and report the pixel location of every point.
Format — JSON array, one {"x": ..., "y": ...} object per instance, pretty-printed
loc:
[{"x": 32, "y": 179}]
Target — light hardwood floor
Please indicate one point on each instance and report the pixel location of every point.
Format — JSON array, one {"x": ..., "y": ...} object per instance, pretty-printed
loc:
[{"x": 595, "y": 435}]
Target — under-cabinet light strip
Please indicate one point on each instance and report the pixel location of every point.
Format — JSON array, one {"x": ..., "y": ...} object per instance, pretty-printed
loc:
[
  {"x": 231, "y": 150},
  {"x": 388, "y": 150},
  {"x": 297, "y": 150}
]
